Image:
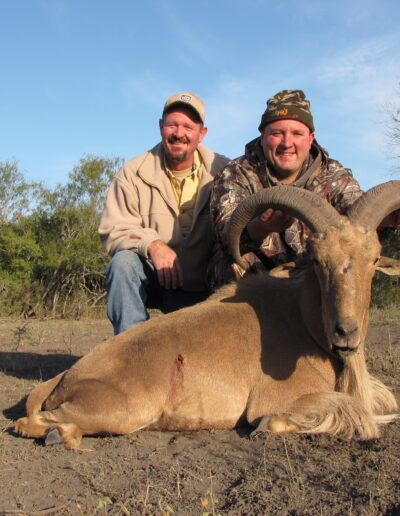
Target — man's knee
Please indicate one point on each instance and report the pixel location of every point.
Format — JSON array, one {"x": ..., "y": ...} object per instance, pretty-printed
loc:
[{"x": 123, "y": 262}]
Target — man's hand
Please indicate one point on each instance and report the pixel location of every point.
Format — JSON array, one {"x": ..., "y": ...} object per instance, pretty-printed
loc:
[
  {"x": 271, "y": 221},
  {"x": 166, "y": 263}
]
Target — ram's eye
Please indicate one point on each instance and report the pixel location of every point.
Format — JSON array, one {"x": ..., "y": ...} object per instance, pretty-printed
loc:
[{"x": 346, "y": 267}]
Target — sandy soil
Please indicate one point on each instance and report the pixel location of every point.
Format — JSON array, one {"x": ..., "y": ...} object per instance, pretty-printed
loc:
[{"x": 199, "y": 473}]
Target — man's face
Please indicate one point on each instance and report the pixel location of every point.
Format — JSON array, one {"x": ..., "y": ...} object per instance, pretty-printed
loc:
[
  {"x": 286, "y": 145},
  {"x": 181, "y": 133}
]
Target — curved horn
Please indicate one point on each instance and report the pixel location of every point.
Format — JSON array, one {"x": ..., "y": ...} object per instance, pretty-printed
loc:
[
  {"x": 307, "y": 206},
  {"x": 370, "y": 209}
]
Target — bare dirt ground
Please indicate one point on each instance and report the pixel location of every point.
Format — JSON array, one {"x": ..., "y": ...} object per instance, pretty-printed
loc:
[{"x": 199, "y": 473}]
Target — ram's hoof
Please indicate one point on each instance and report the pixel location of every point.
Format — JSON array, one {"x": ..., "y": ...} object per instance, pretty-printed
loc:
[{"x": 53, "y": 437}]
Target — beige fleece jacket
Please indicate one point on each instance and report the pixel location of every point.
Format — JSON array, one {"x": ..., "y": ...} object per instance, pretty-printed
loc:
[{"x": 141, "y": 207}]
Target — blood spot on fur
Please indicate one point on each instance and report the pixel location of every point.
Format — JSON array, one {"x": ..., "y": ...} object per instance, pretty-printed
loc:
[{"x": 176, "y": 379}]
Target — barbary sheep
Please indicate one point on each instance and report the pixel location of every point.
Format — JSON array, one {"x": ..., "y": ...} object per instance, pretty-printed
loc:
[{"x": 283, "y": 351}]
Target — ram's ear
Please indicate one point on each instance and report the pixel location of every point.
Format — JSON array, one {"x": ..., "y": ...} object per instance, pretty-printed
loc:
[
  {"x": 289, "y": 270},
  {"x": 389, "y": 266}
]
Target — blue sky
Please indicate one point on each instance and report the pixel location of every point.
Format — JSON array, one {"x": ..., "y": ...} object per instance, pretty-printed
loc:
[{"x": 91, "y": 76}]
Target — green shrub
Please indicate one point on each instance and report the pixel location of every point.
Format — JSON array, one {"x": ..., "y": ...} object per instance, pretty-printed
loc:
[{"x": 386, "y": 289}]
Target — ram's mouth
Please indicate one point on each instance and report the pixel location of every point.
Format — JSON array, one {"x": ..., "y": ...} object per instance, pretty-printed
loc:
[{"x": 344, "y": 352}]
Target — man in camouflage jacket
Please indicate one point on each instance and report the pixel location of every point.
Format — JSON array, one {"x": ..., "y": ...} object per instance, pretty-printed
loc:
[{"x": 286, "y": 152}]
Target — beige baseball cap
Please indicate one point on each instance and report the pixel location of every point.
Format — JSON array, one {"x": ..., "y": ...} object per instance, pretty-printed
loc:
[{"x": 189, "y": 100}]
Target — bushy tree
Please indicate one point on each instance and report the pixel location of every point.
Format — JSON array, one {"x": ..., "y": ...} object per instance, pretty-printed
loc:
[
  {"x": 73, "y": 262},
  {"x": 386, "y": 289},
  {"x": 67, "y": 218},
  {"x": 19, "y": 254},
  {"x": 89, "y": 181},
  {"x": 393, "y": 129},
  {"x": 15, "y": 193},
  {"x": 52, "y": 261}
]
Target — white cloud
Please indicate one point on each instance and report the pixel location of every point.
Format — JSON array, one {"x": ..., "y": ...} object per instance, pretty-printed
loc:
[
  {"x": 357, "y": 83},
  {"x": 362, "y": 74}
]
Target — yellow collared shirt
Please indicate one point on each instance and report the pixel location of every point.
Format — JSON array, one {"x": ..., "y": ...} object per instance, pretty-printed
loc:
[{"x": 185, "y": 184}]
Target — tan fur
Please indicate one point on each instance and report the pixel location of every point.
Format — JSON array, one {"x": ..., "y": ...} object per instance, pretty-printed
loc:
[
  {"x": 40, "y": 393},
  {"x": 284, "y": 353},
  {"x": 335, "y": 413}
]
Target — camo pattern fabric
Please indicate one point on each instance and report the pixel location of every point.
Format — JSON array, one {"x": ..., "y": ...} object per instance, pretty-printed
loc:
[
  {"x": 288, "y": 104},
  {"x": 249, "y": 174}
]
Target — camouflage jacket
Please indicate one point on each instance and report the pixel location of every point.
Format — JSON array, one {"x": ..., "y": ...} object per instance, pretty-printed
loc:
[{"x": 247, "y": 175}]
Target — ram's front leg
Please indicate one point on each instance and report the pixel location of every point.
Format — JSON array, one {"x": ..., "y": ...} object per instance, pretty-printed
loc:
[
  {"x": 32, "y": 426},
  {"x": 334, "y": 413}
]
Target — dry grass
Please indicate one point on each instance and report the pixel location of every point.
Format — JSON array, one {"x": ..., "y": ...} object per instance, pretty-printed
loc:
[{"x": 385, "y": 315}]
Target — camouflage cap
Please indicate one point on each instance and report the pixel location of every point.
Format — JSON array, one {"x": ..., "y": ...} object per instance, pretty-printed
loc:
[
  {"x": 188, "y": 99},
  {"x": 288, "y": 104}
]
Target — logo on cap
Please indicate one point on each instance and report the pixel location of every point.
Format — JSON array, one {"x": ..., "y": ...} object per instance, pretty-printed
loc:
[{"x": 186, "y": 98}]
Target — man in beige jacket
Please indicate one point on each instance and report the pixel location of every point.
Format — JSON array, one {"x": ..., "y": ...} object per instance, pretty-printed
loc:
[{"x": 156, "y": 223}]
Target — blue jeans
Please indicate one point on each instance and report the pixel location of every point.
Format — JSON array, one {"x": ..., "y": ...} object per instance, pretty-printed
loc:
[{"x": 132, "y": 287}]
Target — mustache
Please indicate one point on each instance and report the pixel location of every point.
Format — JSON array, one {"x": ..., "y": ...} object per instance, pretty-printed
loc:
[{"x": 174, "y": 139}]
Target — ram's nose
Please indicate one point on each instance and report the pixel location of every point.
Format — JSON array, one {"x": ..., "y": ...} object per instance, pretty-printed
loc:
[
  {"x": 346, "y": 338},
  {"x": 346, "y": 329}
]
